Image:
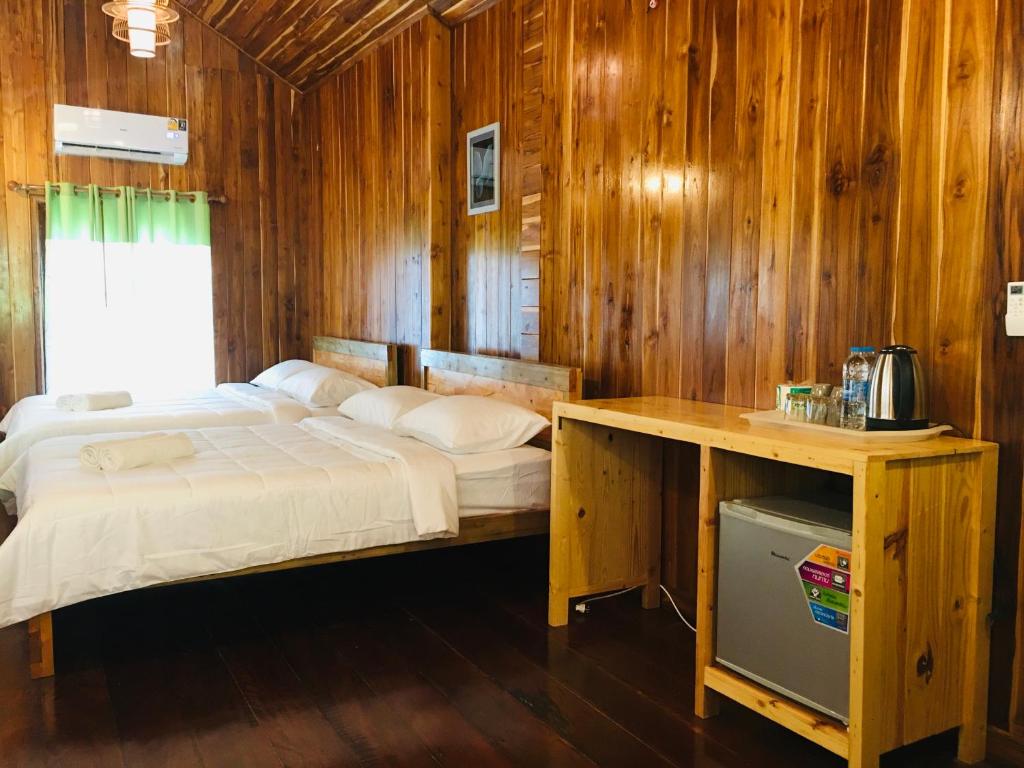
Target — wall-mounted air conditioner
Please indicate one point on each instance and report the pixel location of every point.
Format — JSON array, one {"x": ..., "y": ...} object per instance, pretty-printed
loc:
[{"x": 119, "y": 135}]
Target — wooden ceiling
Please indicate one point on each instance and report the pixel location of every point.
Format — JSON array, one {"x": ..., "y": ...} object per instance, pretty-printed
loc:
[{"x": 303, "y": 41}]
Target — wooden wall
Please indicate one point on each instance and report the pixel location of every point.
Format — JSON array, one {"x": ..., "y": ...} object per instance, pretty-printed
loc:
[
  {"x": 247, "y": 139},
  {"x": 384, "y": 147},
  {"x": 497, "y": 66},
  {"x": 1001, "y": 373},
  {"x": 737, "y": 190},
  {"x": 732, "y": 193}
]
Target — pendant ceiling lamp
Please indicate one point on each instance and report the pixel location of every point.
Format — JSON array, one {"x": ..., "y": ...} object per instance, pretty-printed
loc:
[{"x": 143, "y": 24}]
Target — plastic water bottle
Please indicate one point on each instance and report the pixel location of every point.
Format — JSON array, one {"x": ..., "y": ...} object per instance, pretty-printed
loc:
[{"x": 856, "y": 372}]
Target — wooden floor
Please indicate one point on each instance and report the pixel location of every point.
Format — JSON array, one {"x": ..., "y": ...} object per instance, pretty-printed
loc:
[{"x": 434, "y": 659}]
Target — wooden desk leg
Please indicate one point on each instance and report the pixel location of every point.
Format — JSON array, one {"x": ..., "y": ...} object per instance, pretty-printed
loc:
[
  {"x": 40, "y": 645},
  {"x": 649, "y": 501},
  {"x": 605, "y": 495},
  {"x": 651, "y": 595},
  {"x": 867, "y": 645},
  {"x": 561, "y": 526},
  {"x": 558, "y": 608},
  {"x": 974, "y": 729},
  {"x": 706, "y": 702}
]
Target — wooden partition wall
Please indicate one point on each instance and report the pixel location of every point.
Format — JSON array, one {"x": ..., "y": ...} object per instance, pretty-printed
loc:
[
  {"x": 497, "y": 62},
  {"x": 383, "y": 142},
  {"x": 247, "y": 142}
]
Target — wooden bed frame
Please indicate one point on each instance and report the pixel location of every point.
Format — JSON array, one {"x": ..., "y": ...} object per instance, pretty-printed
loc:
[
  {"x": 533, "y": 385},
  {"x": 377, "y": 363}
]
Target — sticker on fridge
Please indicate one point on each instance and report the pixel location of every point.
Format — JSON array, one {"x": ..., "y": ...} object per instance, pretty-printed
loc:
[{"x": 825, "y": 578}]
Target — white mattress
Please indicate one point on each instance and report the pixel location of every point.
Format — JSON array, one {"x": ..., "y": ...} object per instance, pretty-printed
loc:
[
  {"x": 37, "y": 418},
  {"x": 498, "y": 481},
  {"x": 250, "y": 496}
]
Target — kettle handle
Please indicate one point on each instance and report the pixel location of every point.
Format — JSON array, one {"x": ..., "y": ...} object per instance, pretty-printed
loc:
[{"x": 904, "y": 381}]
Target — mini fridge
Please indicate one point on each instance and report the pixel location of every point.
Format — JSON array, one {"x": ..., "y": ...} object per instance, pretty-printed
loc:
[{"x": 783, "y": 607}]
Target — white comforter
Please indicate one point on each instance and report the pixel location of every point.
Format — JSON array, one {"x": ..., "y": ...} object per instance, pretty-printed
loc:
[
  {"x": 250, "y": 496},
  {"x": 38, "y": 418}
]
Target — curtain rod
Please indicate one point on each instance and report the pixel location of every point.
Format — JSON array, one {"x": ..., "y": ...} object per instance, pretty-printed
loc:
[{"x": 38, "y": 190}]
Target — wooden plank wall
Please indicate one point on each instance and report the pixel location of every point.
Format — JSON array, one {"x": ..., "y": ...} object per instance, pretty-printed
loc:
[
  {"x": 1001, "y": 374},
  {"x": 733, "y": 192},
  {"x": 247, "y": 137},
  {"x": 531, "y": 143},
  {"x": 737, "y": 190},
  {"x": 498, "y": 58},
  {"x": 486, "y": 85},
  {"x": 385, "y": 154}
]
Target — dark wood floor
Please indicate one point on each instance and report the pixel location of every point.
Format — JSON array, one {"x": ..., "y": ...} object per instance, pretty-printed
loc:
[{"x": 434, "y": 659}]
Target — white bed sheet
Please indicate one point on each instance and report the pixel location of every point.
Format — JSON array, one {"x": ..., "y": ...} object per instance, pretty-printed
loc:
[
  {"x": 37, "y": 418},
  {"x": 491, "y": 482},
  {"x": 250, "y": 496},
  {"x": 498, "y": 481}
]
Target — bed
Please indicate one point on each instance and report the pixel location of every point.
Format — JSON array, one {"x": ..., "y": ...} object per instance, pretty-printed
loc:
[
  {"x": 233, "y": 404},
  {"x": 269, "y": 497}
]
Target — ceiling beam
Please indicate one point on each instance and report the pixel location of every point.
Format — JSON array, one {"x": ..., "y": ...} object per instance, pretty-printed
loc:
[
  {"x": 303, "y": 42},
  {"x": 183, "y": 7},
  {"x": 453, "y": 12}
]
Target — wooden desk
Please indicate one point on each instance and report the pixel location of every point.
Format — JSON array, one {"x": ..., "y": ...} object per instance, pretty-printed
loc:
[{"x": 921, "y": 580}]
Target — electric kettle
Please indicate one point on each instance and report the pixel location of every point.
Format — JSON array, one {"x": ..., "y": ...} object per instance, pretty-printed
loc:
[{"x": 896, "y": 392}]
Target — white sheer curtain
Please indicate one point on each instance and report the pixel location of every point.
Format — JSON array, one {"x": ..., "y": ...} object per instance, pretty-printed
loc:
[{"x": 128, "y": 316}]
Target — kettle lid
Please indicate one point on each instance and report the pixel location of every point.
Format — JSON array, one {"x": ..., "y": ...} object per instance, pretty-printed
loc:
[{"x": 897, "y": 348}]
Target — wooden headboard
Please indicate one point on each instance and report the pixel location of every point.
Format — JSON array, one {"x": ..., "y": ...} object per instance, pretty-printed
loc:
[
  {"x": 536, "y": 386},
  {"x": 377, "y": 363}
]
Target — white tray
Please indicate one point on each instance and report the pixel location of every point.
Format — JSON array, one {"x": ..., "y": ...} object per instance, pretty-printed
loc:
[{"x": 778, "y": 419}]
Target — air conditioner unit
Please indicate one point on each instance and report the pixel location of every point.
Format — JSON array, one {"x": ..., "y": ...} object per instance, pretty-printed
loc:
[{"x": 119, "y": 135}]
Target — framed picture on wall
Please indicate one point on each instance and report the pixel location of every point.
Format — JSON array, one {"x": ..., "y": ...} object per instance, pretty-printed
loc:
[{"x": 483, "y": 169}]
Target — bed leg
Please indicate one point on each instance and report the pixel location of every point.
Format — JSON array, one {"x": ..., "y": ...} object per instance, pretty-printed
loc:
[{"x": 40, "y": 645}]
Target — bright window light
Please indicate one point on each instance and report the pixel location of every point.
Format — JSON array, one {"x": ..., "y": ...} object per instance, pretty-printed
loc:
[{"x": 133, "y": 317}]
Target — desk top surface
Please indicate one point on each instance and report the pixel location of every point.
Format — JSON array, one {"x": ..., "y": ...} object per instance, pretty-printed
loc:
[{"x": 720, "y": 426}]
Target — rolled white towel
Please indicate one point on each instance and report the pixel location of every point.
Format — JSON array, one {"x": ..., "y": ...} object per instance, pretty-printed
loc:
[
  {"x": 94, "y": 401},
  {"x": 130, "y": 453},
  {"x": 89, "y": 455}
]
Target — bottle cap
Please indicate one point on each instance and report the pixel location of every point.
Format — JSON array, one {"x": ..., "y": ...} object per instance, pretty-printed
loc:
[{"x": 862, "y": 349}]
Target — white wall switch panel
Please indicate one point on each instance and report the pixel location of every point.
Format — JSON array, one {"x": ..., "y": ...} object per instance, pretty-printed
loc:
[{"x": 1015, "y": 309}]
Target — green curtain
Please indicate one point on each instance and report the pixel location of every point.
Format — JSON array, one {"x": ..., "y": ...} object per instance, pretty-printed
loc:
[{"x": 132, "y": 216}]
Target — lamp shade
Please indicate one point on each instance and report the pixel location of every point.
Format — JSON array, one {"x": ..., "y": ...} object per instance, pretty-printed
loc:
[
  {"x": 143, "y": 24},
  {"x": 142, "y": 31}
]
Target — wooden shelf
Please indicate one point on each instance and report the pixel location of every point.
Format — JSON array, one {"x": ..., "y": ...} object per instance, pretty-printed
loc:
[
  {"x": 921, "y": 555},
  {"x": 723, "y": 426},
  {"x": 821, "y": 729}
]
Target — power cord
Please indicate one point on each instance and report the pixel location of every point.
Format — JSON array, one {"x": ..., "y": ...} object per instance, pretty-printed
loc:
[
  {"x": 678, "y": 612},
  {"x": 582, "y": 605}
]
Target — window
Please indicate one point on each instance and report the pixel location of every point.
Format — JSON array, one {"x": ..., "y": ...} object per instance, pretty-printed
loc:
[{"x": 127, "y": 316}]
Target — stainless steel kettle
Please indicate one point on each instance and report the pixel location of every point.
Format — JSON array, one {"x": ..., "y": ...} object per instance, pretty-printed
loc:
[{"x": 896, "y": 391}]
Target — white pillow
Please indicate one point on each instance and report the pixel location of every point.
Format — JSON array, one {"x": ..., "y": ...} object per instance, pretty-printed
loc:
[
  {"x": 322, "y": 386},
  {"x": 471, "y": 424},
  {"x": 275, "y": 374},
  {"x": 382, "y": 407}
]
